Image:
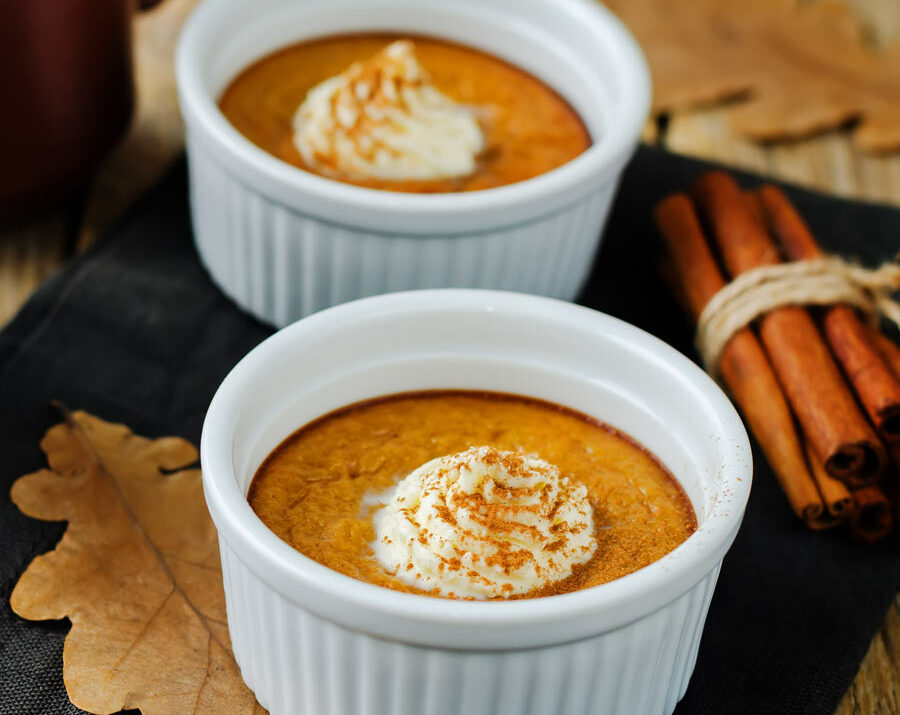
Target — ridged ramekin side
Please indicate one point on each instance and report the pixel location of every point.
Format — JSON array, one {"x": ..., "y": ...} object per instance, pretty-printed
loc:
[
  {"x": 281, "y": 264},
  {"x": 299, "y": 663}
]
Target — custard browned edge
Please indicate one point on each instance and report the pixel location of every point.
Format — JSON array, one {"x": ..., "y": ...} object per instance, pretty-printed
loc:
[
  {"x": 571, "y": 583},
  {"x": 388, "y": 37}
]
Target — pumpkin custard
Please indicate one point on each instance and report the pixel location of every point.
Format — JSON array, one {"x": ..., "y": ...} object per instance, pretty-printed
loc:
[
  {"x": 470, "y": 495},
  {"x": 400, "y": 114}
]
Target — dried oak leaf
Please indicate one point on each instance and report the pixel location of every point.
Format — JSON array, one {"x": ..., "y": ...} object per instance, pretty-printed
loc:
[
  {"x": 137, "y": 572},
  {"x": 791, "y": 68}
]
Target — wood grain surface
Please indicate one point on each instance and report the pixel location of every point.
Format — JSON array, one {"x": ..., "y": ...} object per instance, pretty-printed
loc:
[{"x": 827, "y": 162}]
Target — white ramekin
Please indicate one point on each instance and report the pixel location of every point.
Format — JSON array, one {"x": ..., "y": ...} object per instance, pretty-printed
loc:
[
  {"x": 310, "y": 640},
  {"x": 284, "y": 243}
]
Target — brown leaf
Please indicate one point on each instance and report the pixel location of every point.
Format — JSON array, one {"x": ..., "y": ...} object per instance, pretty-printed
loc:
[
  {"x": 796, "y": 67},
  {"x": 137, "y": 572}
]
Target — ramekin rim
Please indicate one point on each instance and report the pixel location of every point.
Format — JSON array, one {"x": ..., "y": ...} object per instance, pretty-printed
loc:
[
  {"x": 620, "y": 601},
  {"x": 602, "y": 157}
]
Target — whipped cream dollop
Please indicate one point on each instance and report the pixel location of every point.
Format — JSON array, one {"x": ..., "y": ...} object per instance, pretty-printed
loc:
[
  {"x": 484, "y": 524},
  {"x": 382, "y": 119}
]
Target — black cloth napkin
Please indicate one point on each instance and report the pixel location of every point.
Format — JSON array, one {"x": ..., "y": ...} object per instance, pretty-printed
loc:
[{"x": 134, "y": 331}]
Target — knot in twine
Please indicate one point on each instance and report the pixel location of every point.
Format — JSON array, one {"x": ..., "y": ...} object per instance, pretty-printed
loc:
[{"x": 820, "y": 281}]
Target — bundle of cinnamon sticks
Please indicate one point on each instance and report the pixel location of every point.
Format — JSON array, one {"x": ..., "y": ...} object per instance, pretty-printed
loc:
[{"x": 818, "y": 387}]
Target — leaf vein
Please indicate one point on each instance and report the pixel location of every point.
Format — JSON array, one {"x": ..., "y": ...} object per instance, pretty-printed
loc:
[
  {"x": 73, "y": 423},
  {"x": 141, "y": 633}
]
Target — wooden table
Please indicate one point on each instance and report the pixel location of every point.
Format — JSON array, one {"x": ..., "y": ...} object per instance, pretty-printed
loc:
[{"x": 828, "y": 163}]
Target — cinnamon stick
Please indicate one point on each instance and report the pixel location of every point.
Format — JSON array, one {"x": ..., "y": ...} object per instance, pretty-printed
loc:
[
  {"x": 836, "y": 497},
  {"x": 743, "y": 364},
  {"x": 872, "y": 518},
  {"x": 876, "y": 386},
  {"x": 888, "y": 349},
  {"x": 890, "y": 484},
  {"x": 813, "y": 384}
]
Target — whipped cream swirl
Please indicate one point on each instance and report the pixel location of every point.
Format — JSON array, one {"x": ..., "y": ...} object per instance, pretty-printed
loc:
[
  {"x": 485, "y": 524},
  {"x": 382, "y": 119}
]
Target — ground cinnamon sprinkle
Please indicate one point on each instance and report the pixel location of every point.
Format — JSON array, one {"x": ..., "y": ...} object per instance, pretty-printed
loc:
[
  {"x": 639, "y": 511},
  {"x": 446, "y": 515},
  {"x": 497, "y": 512}
]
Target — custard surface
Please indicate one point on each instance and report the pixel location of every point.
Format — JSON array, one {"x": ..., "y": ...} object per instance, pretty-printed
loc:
[
  {"x": 529, "y": 129},
  {"x": 318, "y": 489}
]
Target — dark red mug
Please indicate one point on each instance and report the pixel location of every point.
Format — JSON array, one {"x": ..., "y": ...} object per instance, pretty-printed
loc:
[{"x": 66, "y": 96}]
